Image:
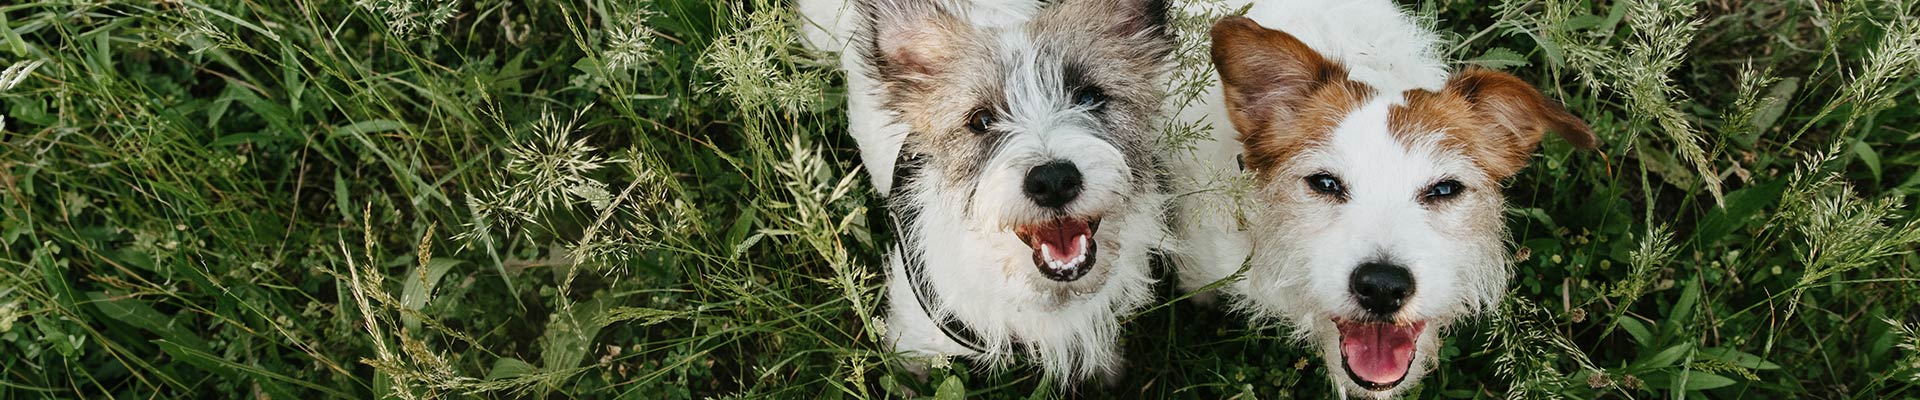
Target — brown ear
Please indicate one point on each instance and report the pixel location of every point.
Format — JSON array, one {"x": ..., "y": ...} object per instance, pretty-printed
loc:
[
  {"x": 910, "y": 40},
  {"x": 1517, "y": 116},
  {"x": 1263, "y": 70}
]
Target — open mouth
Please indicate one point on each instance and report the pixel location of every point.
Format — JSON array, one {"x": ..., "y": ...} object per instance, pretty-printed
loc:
[
  {"x": 1377, "y": 355},
  {"x": 1063, "y": 248}
]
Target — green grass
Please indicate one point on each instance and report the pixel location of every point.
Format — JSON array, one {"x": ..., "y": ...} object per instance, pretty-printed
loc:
[{"x": 654, "y": 199}]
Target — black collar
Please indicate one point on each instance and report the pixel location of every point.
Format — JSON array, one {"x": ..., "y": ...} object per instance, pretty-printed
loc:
[{"x": 901, "y": 215}]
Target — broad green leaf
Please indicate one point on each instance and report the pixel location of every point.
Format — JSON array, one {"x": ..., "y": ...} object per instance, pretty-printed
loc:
[
  {"x": 1683, "y": 309},
  {"x": 1583, "y": 22},
  {"x": 1743, "y": 208},
  {"x": 1663, "y": 164},
  {"x": 1868, "y": 156},
  {"x": 951, "y": 389},
  {"x": 1703, "y": 380},
  {"x": 290, "y": 74},
  {"x": 14, "y": 44},
  {"x": 1665, "y": 358},
  {"x": 1738, "y": 358},
  {"x": 508, "y": 368},
  {"x": 418, "y": 288},
  {"x": 137, "y": 313},
  {"x": 218, "y": 365},
  {"x": 1550, "y": 49},
  {"x": 1500, "y": 58},
  {"x": 1615, "y": 15},
  {"x": 370, "y": 126},
  {"x": 340, "y": 199},
  {"x": 569, "y": 335},
  {"x": 737, "y": 234},
  {"x": 1774, "y": 105}
]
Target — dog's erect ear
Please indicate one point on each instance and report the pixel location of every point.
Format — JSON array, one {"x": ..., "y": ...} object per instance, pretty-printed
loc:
[
  {"x": 1263, "y": 70},
  {"x": 1517, "y": 116},
  {"x": 1125, "y": 18},
  {"x": 909, "y": 40}
]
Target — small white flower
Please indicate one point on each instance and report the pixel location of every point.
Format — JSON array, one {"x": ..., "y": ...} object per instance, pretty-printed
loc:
[{"x": 879, "y": 326}]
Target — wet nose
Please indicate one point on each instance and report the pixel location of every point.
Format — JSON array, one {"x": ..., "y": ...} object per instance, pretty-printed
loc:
[
  {"x": 1381, "y": 288},
  {"x": 1053, "y": 184}
]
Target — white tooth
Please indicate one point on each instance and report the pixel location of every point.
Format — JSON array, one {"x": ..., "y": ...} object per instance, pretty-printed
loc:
[
  {"x": 1083, "y": 250},
  {"x": 1045, "y": 251}
]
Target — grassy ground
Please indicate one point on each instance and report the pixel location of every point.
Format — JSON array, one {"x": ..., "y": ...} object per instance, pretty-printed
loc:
[{"x": 653, "y": 199}]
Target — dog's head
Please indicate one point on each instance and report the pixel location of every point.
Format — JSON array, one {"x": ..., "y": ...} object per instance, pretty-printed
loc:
[
  {"x": 1034, "y": 131},
  {"x": 1379, "y": 215}
]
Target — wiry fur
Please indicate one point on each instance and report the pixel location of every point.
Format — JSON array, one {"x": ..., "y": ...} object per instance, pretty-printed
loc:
[
  {"x": 917, "y": 70},
  {"x": 1353, "y": 89}
]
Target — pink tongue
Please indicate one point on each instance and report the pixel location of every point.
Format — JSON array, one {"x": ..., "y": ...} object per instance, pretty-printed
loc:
[
  {"x": 1378, "y": 352},
  {"x": 1062, "y": 237}
]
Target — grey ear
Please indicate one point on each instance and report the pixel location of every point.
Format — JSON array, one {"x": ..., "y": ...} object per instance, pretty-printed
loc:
[
  {"x": 1117, "y": 19},
  {"x": 908, "y": 40},
  {"x": 1150, "y": 17}
]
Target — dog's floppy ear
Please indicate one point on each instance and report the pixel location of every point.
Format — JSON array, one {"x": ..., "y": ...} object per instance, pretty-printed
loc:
[
  {"x": 1263, "y": 70},
  {"x": 1516, "y": 116},
  {"x": 910, "y": 40}
]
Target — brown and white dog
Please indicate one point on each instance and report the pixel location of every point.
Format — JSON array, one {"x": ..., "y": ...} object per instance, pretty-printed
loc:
[
  {"x": 1016, "y": 140},
  {"x": 1373, "y": 220}
]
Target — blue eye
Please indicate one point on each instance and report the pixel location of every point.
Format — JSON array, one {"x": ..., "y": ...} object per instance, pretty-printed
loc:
[
  {"x": 1089, "y": 97},
  {"x": 1444, "y": 190},
  {"x": 1327, "y": 184}
]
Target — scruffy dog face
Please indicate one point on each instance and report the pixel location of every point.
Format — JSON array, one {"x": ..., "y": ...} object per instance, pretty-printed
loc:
[
  {"x": 1032, "y": 132},
  {"x": 1378, "y": 219}
]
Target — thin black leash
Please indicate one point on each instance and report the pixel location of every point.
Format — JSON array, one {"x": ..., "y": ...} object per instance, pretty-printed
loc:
[{"x": 902, "y": 214}]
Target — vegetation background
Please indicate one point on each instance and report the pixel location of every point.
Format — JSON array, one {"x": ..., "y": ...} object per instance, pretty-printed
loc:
[{"x": 654, "y": 199}]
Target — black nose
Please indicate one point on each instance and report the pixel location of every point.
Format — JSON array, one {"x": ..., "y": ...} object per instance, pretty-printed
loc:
[
  {"x": 1381, "y": 288},
  {"x": 1053, "y": 184}
]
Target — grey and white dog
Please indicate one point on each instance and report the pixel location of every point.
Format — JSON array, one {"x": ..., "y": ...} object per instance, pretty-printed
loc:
[{"x": 1016, "y": 141}]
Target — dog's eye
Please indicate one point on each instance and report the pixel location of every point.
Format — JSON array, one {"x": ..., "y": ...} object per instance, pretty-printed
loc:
[
  {"x": 1443, "y": 190},
  {"x": 1089, "y": 97},
  {"x": 979, "y": 121},
  {"x": 1326, "y": 184}
]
